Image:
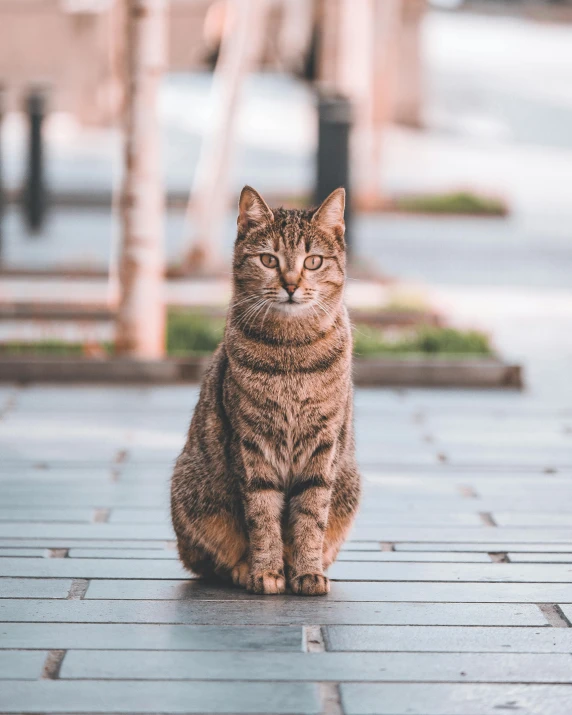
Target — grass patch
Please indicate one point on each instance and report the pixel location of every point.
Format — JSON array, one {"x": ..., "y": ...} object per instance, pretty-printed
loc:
[
  {"x": 191, "y": 333},
  {"x": 56, "y": 348},
  {"x": 460, "y": 202},
  {"x": 425, "y": 340}
]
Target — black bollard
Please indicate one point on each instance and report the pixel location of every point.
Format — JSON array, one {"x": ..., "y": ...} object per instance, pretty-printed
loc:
[
  {"x": 34, "y": 198},
  {"x": 333, "y": 169}
]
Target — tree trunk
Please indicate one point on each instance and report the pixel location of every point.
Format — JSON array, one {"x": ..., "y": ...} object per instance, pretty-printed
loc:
[
  {"x": 208, "y": 203},
  {"x": 141, "y": 313}
]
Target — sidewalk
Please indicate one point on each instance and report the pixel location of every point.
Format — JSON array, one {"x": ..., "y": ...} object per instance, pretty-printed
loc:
[{"x": 453, "y": 596}]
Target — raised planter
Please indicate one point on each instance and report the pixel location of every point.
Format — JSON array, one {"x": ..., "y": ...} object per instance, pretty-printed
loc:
[{"x": 378, "y": 372}]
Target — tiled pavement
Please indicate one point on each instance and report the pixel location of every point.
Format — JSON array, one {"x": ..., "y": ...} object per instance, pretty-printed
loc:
[{"x": 454, "y": 596}]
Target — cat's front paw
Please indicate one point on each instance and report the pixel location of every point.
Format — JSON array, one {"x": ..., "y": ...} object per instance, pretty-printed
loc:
[
  {"x": 239, "y": 574},
  {"x": 266, "y": 582},
  {"x": 310, "y": 584}
]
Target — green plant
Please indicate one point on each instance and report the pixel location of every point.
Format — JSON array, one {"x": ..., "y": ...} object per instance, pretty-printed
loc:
[
  {"x": 42, "y": 347},
  {"x": 424, "y": 340},
  {"x": 189, "y": 332},
  {"x": 460, "y": 202}
]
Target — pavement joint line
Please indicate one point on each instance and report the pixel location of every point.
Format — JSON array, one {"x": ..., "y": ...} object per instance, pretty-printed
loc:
[
  {"x": 53, "y": 664},
  {"x": 487, "y": 518},
  {"x": 554, "y": 615},
  {"x": 101, "y": 516},
  {"x": 467, "y": 491},
  {"x": 78, "y": 589},
  {"x": 331, "y": 699},
  {"x": 9, "y": 405},
  {"x": 58, "y": 553},
  {"x": 121, "y": 456},
  {"x": 499, "y": 557},
  {"x": 314, "y": 639},
  {"x": 329, "y": 692}
]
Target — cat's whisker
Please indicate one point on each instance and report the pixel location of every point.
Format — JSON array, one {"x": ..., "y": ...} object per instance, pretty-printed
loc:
[
  {"x": 249, "y": 311},
  {"x": 244, "y": 300},
  {"x": 321, "y": 305},
  {"x": 266, "y": 313},
  {"x": 255, "y": 315}
]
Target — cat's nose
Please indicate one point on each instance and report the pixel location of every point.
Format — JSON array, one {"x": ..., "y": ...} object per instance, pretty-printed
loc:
[{"x": 290, "y": 288}]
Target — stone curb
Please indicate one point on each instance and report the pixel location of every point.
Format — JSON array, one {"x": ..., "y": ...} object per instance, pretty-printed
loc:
[{"x": 406, "y": 372}]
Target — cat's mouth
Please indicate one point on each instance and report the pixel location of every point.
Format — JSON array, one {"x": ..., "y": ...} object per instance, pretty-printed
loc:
[{"x": 290, "y": 306}]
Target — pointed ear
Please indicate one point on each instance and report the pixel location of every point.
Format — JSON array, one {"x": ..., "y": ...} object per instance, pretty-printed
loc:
[
  {"x": 252, "y": 210},
  {"x": 330, "y": 215}
]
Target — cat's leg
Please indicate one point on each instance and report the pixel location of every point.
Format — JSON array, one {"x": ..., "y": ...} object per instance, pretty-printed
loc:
[
  {"x": 263, "y": 497},
  {"x": 309, "y": 506}
]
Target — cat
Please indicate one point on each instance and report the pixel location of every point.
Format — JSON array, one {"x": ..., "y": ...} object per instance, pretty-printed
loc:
[{"x": 266, "y": 487}]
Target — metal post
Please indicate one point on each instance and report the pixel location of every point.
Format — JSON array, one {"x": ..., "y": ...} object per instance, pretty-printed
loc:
[
  {"x": 34, "y": 198},
  {"x": 333, "y": 160}
]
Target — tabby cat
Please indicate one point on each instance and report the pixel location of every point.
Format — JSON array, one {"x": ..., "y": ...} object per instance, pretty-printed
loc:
[{"x": 266, "y": 487}]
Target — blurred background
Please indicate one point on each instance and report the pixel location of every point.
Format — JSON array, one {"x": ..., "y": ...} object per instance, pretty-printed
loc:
[{"x": 128, "y": 128}]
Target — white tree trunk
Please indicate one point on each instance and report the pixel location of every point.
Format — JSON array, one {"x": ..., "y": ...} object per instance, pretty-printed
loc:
[
  {"x": 141, "y": 313},
  {"x": 208, "y": 203}
]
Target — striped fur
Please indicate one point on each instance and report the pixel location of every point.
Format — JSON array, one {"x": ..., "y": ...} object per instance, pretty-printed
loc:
[{"x": 266, "y": 487}]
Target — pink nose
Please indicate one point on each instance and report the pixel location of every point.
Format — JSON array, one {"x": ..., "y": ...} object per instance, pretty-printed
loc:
[{"x": 290, "y": 288}]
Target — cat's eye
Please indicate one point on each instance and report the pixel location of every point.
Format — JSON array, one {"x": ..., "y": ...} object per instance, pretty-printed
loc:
[
  {"x": 268, "y": 260},
  {"x": 313, "y": 262}
]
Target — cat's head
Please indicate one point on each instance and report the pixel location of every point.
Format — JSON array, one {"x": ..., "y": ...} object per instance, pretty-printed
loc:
[{"x": 289, "y": 263}]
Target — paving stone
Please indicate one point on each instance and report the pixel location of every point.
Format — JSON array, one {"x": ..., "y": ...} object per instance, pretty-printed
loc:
[
  {"x": 382, "y": 591},
  {"x": 546, "y": 558},
  {"x": 139, "y": 516},
  {"x": 90, "y": 543},
  {"x": 449, "y": 639},
  {"x": 149, "y": 636},
  {"x": 38, "y": 473},
  {"x": 278, "y": 610},
  {"x": 57, "y": 696},
  {"x": 29, "y": 552},
  {"x": 47, "y": 515},
  {"x": 21, "y": 665},
  {"x": 108, "y": 495},
  {"x": 92, "y": 568},
  {"x": 427, "y": 667},
  {"x": 405, "y": 517},
  {"x": 87, "y": 531},
  {"x": 353, "y": 545},
  {"x": 496, "y": 546},
  {"x": 545, "y": 519},
  {"x": 446, "y": 699},
  {"x": 452, "y": 535},
  {"x": 169, "y": 554},
  {"x": 34, "y": 587},
  {"x": 491, "y": 572},
  {"x": 431, "y": 556}
]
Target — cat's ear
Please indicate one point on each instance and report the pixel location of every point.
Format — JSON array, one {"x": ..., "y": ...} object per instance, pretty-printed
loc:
[
  {"x": 330, "y": 216},
  {"x": 252, "y": 210}
]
